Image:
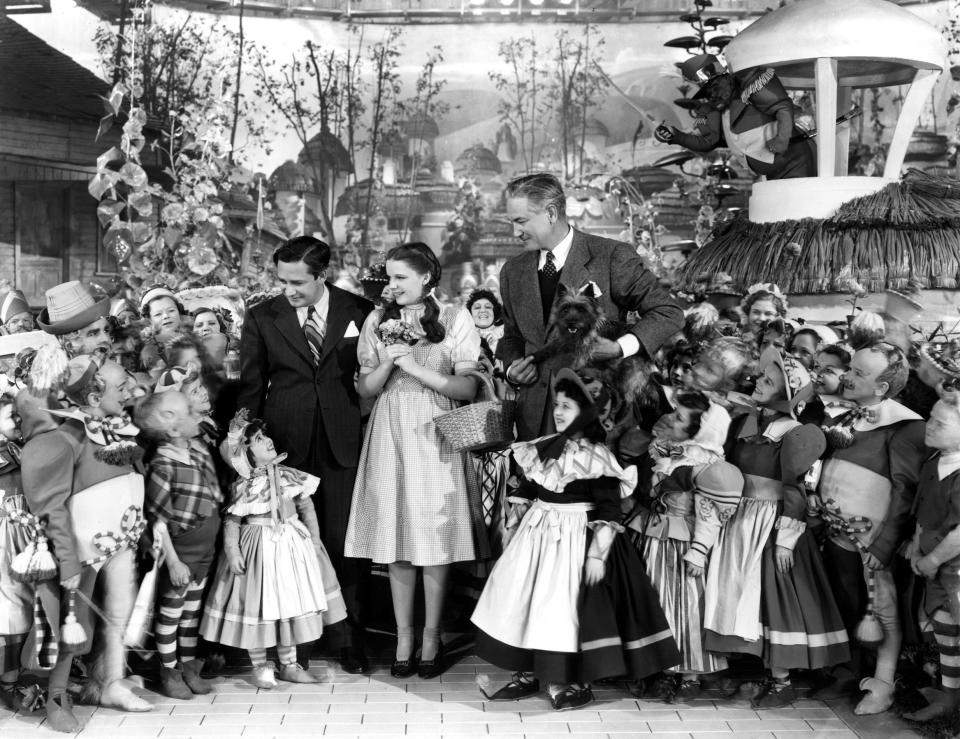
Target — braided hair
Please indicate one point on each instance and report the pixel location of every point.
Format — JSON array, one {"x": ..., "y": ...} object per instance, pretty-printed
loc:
[{"x": 421, "y": 259}]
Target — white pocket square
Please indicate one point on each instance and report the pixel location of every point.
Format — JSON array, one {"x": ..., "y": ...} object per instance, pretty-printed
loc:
[{"x": 351, "y": 331}]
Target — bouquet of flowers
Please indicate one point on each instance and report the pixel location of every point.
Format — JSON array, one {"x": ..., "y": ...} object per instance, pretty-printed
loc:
[{"x": 395, "y": 331}]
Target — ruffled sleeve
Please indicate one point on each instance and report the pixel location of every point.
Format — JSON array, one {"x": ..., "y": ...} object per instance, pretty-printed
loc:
[
  {"x": 801, "y": 447},
  {"x": 465, "y": 339},
  {"x": 368, "y": 345}
]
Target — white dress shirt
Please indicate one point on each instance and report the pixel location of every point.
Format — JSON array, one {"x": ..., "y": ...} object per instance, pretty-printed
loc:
[{"x": 322, "y": 307}]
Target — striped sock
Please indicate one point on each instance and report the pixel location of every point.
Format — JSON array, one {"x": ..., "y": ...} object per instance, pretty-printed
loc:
[
  {"x": 188, "y": 631},
  {"x": 287, "y": 653},
  {"x": 946, "y": 631},
  {"x": 258, "y": 656},
  {"x": 167, "y": 622}
]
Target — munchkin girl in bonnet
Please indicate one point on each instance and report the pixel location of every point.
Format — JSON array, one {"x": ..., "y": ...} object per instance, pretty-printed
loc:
[
  {"x": 693, "y": 494},
  {"x": 568, "y": 601},
  {"x": 767, "y": 591},
  {"x": 275, "y": 585}
]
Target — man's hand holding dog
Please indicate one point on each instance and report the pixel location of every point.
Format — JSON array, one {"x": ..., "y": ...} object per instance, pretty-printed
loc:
[
  {"x": 522, "y": 371},
  {"x": 606, "y": 349}
]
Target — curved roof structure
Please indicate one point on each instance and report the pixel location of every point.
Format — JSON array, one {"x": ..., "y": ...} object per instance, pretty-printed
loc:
[{"x": 875, "y": 43}]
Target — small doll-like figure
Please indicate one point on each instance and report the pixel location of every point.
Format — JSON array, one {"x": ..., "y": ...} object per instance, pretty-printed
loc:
[
  {"x": 693, "y": 494},
  {"x": 274, "y": 585},
  {"x": 935, "y": 551},
  {"x": 568, "y": 601},
  {"x": 16, "y": 597},
  {"x": 751, "y": 114},
  {"x": 767, "y": 593}
]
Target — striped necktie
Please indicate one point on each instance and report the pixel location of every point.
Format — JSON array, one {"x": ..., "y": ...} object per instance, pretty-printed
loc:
[{"x": 314, "y": 329}]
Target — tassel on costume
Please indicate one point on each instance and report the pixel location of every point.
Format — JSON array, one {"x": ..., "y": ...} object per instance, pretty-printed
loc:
[
  {"x": 48, "y": 370},
  {"x": 20, "y": 567},
  {"x": 72, "y": 633},
  {"x": 119, "y": 453},
  {"x": 869, "y": 633},
  {"x": 839, "y": 436},
  {"x": 42, "y": 565}
]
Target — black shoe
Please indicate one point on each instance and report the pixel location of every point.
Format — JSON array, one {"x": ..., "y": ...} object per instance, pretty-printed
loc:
[
  {"x": 10, "y": 696},
  {"x": 687, "y": 691},
  {"x": 570, "y": 698},
  {"x": 431, "y": 668},
  {"x": 663, "y": 689},
  {"x": 514, "y": 690},
  {"x": 773, "y": 694},
  {"x": 354, "y": 661},
  {"x": 404, "y": 668}
]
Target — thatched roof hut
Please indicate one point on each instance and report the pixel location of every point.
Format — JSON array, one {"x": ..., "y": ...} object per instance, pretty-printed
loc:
[{"x": 907, "y": 233}]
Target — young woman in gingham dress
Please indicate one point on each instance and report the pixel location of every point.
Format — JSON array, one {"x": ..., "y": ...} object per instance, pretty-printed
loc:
[{"x": 416, "y": 503}]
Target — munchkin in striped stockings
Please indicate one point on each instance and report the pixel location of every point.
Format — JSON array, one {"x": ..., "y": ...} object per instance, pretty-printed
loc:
[
  {"x": 182, "y": 501},
  {"x": 935, "y": 551}
]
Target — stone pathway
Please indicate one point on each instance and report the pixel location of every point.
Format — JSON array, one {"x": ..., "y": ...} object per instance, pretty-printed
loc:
[{"x": 451, "y": 706}]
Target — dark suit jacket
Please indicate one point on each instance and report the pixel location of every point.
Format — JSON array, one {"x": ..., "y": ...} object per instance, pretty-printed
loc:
[
  {"x": 626, "y": 286},
  {"x": 280, "y": 383}
]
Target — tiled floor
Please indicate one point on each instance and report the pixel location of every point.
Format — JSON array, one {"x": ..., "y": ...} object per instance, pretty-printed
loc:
[{"x": 451, "y": 706}]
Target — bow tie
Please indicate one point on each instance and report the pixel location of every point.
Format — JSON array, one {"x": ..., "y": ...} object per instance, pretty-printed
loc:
[
  {"x": 868, "y": 413},
  {"x": 665, "y": 449},
  {"x": 108, "y": 429}
]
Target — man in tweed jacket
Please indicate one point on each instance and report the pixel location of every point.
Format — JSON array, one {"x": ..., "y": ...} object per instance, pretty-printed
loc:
[{"x": 536, "y": 206}]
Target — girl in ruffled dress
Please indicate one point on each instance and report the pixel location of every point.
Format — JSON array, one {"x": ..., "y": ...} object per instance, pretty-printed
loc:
[
  {"x": 569, "y": 602},
  {"x": 694, "y": 493},
  {"x": 16, "y": 598},
  {"x": 275, "y": 585},
  {"x": 767, "y": 591},
  {"x": 416, "y": 502}
]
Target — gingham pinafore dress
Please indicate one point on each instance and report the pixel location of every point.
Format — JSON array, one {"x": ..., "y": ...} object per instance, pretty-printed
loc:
[{"x": 416, "y": 500}]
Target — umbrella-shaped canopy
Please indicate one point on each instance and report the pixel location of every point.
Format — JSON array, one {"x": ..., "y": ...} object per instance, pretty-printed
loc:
[{"x": 875, "y": 43}]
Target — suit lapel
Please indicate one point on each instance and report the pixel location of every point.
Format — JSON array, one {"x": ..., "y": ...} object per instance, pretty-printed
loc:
[
  {"x": 337, "y": 320},
  {"x": 529, "y": 313},
  {"x": 575, "y": 273},
  {"x": 288, "y": 326}
]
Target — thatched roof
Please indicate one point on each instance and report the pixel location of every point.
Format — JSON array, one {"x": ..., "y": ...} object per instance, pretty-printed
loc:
[{"x": 908, "y": 232}]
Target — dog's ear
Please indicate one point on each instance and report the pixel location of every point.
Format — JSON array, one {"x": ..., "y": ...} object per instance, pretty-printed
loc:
[
  {"x": 562, "y": 291},
  {"x": 590, "y": 290}
]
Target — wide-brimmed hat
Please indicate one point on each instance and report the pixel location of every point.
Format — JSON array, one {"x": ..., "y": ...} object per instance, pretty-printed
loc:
[
  {"x": 13, "y": 303},
  {"x": 71, "y": 306}
]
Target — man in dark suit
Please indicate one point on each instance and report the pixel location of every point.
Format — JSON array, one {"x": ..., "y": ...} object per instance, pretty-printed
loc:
[
  {"x": 298, "y": 359},
  {"x": 555, "y": 253}
]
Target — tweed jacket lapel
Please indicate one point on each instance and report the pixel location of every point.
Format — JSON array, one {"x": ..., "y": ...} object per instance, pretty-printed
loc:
[
  {"x": 575, "y": 270},
  {"x": 288, "y": 326},
  {"x": 529, "y": 311}
]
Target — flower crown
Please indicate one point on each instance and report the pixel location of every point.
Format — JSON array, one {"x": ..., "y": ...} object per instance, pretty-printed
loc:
[{"x": 767, "y": 287}]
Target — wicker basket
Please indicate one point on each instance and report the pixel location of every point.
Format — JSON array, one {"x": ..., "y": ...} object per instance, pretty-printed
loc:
[{"x": 480, "y": 426}]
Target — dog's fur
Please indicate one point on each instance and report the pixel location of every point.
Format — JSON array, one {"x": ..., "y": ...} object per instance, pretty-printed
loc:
[{"x": 576, "y": 325}]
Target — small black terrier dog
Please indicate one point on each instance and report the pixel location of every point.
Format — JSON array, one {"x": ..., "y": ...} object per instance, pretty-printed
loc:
[{"x": 577, "y": 323}]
